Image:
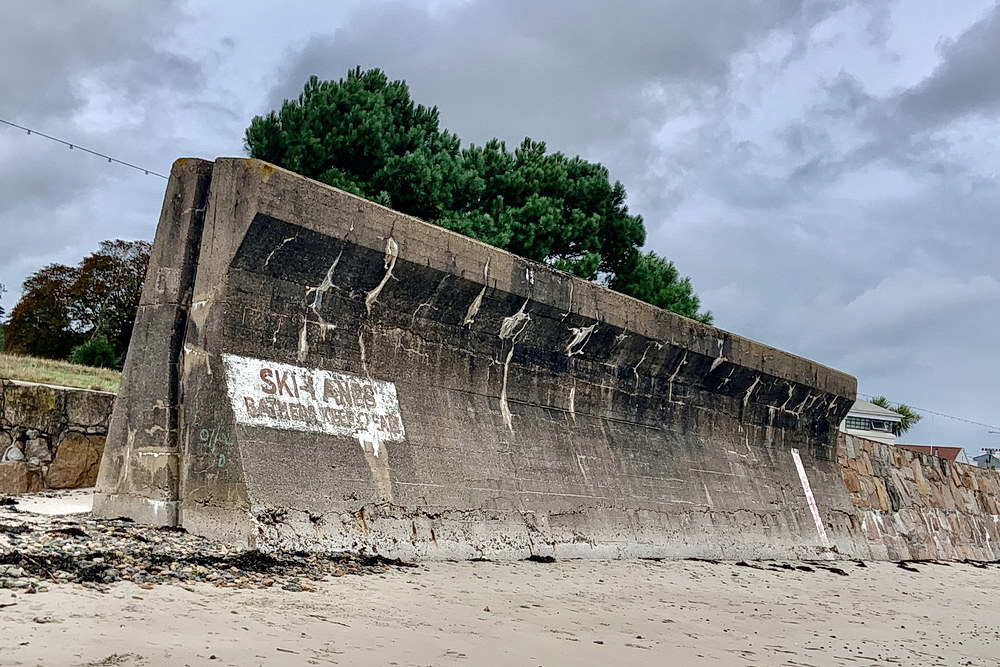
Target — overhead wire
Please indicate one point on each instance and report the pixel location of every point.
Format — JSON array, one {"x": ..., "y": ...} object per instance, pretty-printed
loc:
[
  {"x": 72, "y": 146},
  {"x": 941, "y": 414}
]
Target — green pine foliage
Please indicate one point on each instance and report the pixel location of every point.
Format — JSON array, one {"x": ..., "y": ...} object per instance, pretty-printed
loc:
[{"x": 364, "y": 134}]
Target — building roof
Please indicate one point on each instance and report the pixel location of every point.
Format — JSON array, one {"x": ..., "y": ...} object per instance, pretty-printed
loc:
[
  {"x": 871, "y": 411},
  {"x": 949, "y": 453}
]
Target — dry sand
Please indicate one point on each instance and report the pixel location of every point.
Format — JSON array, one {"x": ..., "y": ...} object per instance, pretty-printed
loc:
[{"x": 526, "y": 613}]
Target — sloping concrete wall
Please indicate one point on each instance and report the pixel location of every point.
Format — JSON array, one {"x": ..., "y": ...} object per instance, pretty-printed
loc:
[
  {"x": 917, "y": 507},
  {"x": 311, "y": 370}
]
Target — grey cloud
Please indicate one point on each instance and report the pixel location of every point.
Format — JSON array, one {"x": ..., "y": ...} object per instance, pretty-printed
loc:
[
  {"x": 570, "y": 72},
  {"x": 965, "y": 82}
]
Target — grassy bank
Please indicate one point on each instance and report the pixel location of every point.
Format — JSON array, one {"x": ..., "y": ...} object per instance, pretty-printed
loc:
[{"x": 63, "y": 373}]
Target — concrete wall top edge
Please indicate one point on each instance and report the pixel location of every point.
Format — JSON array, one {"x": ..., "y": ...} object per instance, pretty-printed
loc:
[{"x": 295, "y": 199}]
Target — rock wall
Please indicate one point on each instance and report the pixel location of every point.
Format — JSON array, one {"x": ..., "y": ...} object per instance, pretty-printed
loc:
[
  {"x": 913, "y": 506},
  {"x": 58, "y": 434}
]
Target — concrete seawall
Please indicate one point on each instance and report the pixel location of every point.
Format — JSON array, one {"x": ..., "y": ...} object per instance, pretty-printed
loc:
[{"x": 312, "y": 371}]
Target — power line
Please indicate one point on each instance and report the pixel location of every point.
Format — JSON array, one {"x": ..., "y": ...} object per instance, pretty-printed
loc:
[
  {"x": 941, "y": 414},
  {"x": 148, "y": 172}
]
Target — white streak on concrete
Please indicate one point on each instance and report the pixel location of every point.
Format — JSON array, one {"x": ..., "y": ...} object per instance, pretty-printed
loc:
[
  {"x": 566, "y": 314},
  {"x": 361, "y": 349},
  {"x": 303, "y": 350},
  {"x": 320, "y": 290},
  {"x": 572, "y": 400},
  {"x": 635, "y": 369},
  {"x": 280, "y": 246},
  {"x": 716, "y": 363},
  {"x": 391, "y": 254},
  {"x": 510, "y": 329},
  {"x": 504, "y": 407},
  {"x": 746, "y": 398},
  {"x": 478, "y": 301},
  {"x": 673, "y": 376}
]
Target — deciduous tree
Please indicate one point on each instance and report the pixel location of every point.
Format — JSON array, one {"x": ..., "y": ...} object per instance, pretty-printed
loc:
[{"x": 62, "y": 306}]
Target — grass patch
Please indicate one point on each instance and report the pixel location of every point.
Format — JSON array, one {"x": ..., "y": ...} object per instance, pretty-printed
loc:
[{"x": 63, "y": 373}]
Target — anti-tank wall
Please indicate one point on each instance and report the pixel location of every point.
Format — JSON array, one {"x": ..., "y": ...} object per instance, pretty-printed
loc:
[{"x": 347, "y": 377}]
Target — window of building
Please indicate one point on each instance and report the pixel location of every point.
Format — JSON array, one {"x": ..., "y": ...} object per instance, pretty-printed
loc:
[
  {"x": 857, "y": 423},
  {"x": 865, "y": 424}
]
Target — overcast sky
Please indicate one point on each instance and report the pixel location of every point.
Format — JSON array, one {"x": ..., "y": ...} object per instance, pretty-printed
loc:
[{"x": 826, "y": 172}]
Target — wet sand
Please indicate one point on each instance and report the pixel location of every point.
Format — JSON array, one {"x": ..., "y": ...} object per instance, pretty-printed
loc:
[{"x": 526, "y": 613}]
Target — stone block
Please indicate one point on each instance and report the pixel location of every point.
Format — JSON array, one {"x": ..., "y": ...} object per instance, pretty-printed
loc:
[
  {"x": 38, "y": 448},
  {"x": 852, "y": 482},
  {"x": 77, "y": 461},
  {"x": 17, "y": 477},
  {"x": 33, "y": 407},
  {"x": 88, "y": 409}
]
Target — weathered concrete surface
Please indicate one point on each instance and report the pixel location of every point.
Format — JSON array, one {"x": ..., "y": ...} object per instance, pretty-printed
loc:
[
  {"x": 311, "y": 370},
  {"x": 142, "y": 479},
  {"x": 58, "y": 433},
  {"x": 917, "y": 507}
]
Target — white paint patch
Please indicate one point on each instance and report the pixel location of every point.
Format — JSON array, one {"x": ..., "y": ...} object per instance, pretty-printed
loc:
[
  {"x": 579, "y": 340},
  {"x": 391, "y": 254},
  {"x": 509, "y": 326},
  {"x": 282, "y": 396},
  {"x": 477, "y": 303},
  {"x": 820, "y": 529}
]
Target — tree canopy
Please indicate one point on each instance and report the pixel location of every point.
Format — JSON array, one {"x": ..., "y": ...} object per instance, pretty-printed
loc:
[
  {"x": 910, "y": 417},
  {"x": 364, "y": 134},
  {"x": 62, "y": 307}
]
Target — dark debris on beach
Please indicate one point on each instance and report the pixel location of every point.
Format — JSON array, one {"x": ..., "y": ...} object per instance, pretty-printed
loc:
[{"x": 37, "y": 550}]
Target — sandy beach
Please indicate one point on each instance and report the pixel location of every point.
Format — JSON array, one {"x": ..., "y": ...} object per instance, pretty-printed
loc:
[{"x": 527, "y": 613}]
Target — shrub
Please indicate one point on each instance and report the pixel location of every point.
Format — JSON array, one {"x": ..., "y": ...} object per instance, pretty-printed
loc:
[{"x": 97, "y": 352}]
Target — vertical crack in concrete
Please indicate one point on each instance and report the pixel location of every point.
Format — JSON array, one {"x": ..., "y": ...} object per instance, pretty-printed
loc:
[
  {"x": 391, "y": 254},
  {"x": 510, "y": 329},
  {"x": 579, "y": 340},
  {"x": 280, "y": 246},
  {"x": 478, "y": 301}
]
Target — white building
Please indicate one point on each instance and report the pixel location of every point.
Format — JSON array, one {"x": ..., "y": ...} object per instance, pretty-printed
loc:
[{"x": 867, "y": 420}]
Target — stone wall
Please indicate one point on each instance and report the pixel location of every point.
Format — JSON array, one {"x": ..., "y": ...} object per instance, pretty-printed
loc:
[
  {"x": 58, "y": 433},
  {"x": 915, "y": 506}
]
